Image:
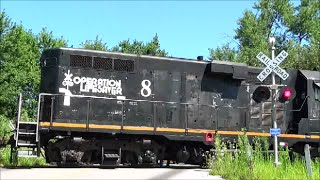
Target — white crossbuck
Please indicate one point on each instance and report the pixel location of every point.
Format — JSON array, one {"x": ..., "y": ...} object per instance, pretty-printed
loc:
[{"x": 272, "y": 65}]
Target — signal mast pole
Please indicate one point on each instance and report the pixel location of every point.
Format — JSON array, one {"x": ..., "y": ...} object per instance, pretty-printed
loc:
[{"x": 274, "y": 87}]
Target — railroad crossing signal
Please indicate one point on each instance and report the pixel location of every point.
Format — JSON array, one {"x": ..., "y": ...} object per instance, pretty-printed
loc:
[
  {"x": 272, "y": 65},
  {"x": 286, "y": 94},
  {"x": 261, "y": 94}
]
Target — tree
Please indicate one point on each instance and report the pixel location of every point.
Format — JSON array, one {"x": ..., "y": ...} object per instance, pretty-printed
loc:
[
  {"x": 296, "y": 30},
  {"x": 20, "y": 71},
  {"x": 305, "y": 25},
  {"x": 138, "y": 47},
  {"x": 126, "y": 46},
  {"x": 96, "y": 44},
  {"x": 46, "y": 40},
  {"x": 153, "y": 48},
  {"x": 224, "y": 53}
]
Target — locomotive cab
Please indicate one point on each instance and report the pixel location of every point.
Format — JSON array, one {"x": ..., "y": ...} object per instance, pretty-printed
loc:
[{"x": 309, "y": 115}]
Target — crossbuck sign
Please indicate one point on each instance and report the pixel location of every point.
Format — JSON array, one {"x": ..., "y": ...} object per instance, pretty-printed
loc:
[{"x": 272, "y": 65}]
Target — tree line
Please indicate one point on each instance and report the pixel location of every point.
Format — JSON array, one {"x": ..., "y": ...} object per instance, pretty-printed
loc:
[{"x": 296, "y": 28}]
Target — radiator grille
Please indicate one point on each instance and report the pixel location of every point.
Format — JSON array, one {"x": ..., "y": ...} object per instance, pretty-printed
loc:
[
  {"x": 102, "y": 63},
  {"x": 80, "y": 61},
  {"x": 123, "y": 65}
]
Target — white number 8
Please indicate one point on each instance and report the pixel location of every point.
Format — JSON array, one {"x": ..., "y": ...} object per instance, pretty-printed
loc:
[{"x": 145, "y": 88}]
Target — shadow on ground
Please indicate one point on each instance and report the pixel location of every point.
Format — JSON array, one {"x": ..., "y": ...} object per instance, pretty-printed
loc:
[{"x": 172, "y": 166}]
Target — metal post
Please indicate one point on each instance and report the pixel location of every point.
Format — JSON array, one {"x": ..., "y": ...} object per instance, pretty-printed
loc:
[
  {"x": 308, "y": 159},
  {"x": 18, "y": 118},
  {"x": 273, "y": 105},
  {"x": 38, "y": 117}
]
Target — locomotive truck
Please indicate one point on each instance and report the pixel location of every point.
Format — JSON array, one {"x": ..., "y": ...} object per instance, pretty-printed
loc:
[{"x": 109, "y": 108}]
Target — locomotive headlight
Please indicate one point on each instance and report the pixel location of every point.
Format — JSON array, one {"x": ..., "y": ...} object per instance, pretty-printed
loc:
[{"x": 314, "y": 112}]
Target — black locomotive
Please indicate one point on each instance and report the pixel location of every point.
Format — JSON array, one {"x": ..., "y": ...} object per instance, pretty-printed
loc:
[{"x": 110, "y": 108}]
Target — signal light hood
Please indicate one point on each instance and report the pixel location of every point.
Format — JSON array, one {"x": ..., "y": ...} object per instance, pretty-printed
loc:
[{"x": 261, "y": 93}]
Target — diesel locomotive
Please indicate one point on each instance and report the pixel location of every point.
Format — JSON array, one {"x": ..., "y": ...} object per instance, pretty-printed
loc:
[{"x": 110, "y": 108}]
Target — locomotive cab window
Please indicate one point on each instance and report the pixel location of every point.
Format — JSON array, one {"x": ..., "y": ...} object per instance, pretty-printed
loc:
[{"x": 49, "y": 62}]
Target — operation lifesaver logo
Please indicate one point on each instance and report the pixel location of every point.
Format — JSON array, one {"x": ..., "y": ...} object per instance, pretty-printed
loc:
[{"x": 94, "y": 85}]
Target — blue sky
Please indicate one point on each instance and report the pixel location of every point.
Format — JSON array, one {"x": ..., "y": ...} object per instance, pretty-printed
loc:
[{"x": 185, "y": 28}]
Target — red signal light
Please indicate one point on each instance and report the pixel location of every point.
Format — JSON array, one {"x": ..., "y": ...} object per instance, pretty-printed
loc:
[
  {"x": 209, "y": 137},
  {"x": 287, "y": 93}
]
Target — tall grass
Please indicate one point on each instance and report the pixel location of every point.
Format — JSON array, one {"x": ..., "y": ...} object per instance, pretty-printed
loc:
[
  {"x": 5, "y": 159},
  {"x": 254, "y": 162}
]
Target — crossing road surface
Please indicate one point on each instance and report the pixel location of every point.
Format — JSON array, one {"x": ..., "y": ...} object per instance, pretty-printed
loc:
[{"x": 99, "y": 173}]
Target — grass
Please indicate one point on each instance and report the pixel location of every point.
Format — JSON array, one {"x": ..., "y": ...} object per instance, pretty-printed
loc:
[
  {"x": 5, "y": 133},
  {"x": 250, "y": 162},
  {"x": 26, "y": 162}
]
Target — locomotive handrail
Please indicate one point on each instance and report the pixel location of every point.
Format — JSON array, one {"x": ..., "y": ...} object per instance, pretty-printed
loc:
[
  {"x": 38, "y": 118},
  {"x": 294, "y": 110},
  {"x": 215, "y": 107},
  {"x": 142, "y": 100}
]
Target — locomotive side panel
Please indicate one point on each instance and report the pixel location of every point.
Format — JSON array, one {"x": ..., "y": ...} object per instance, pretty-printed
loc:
[
  {"x": 167, "y": 86},
  {"x": 138, "y": 87},
  {"x": 227, "y": 98},
  {"x": 186, "y": 96}
]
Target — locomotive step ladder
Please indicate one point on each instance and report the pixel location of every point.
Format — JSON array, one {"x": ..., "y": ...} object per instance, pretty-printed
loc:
[
  {"x": 111, "y": 158},
  {"x": 26, "y": 143},
  {"x": 25, "y": 138}
]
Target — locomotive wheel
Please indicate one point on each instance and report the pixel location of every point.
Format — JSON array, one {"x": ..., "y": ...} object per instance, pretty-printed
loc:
[
  {"x": 129, "y": 158},
  {"x": 161, "y": 162}
]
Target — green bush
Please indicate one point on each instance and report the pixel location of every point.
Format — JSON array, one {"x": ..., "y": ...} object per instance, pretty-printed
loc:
[
  {"x": 5, "y": 130},
  {"x": 5, "y": 159},
  {"x": 252, "y": 162}
]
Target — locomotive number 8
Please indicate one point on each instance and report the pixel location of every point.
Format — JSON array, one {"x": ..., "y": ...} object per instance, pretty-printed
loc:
[{"x": 145, "y": 91}]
